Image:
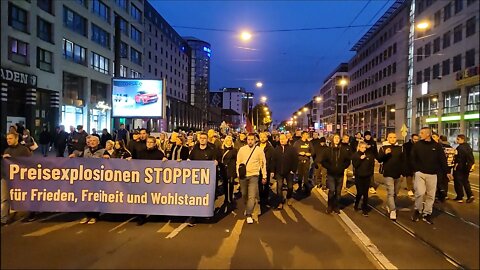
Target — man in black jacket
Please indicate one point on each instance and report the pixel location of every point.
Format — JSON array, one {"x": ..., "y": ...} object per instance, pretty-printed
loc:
[
  {"x": 393, "y": 163},
  {"x": 264, "y": 189},
  {"x": 336, "y": 161},
  {"x": 284, "y": 164},
  {"x": 371, "y": 148},
  {"x": 304, "y": 150},
  {"x": 320, "y": 150},
  {"x": 60, "y": 141},
  {"x": 407, "y": 149},
  {"x": 464, "y": 164},
  {"x": 428, "y": 159}
]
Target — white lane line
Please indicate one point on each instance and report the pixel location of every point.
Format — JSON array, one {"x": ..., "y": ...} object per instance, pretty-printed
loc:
[
  {"x": 167, "y": 228},
  {"x": 121, "y": 224},
  {"x": 376, "y": 253},
  {"x": 268, "y": 252},
  {"x": 176, "y": 231},
  {"x": 223, "y": 258},
  {"x": 53, "y": 228},
  {"x": 290, "y": 213},
  {"x": 278, "y": 214}
]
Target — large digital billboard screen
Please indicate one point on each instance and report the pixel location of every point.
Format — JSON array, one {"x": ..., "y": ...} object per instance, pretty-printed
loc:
[{"x": 137, "y": 98}]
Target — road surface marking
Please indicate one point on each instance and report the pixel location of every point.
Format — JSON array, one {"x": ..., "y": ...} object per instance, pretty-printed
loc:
[
  {"x": 79, "y": 232},
  {"x": 376, "y": 253},
  {"x": 268, "y": 251},
  {"x": 167, "y": 228},
  {"x": 52, "y": 217},
  {"x": 223, "y": 258},
  {"x": 278, "y": 214},
  {"x": 290, "y": 213},
  {"x": 121, "y": 224},
  {"x": 53, "y": 228},
  {"x": 176, "y": 231}
]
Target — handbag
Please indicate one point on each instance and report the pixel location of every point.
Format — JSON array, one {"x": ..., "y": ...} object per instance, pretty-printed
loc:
[
  {"x": 34, "y": 146},
  {"x": 242, "y": 168}
]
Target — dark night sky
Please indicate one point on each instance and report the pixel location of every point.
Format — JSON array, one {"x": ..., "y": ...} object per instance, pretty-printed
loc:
[{"x": 292, "y": 65}]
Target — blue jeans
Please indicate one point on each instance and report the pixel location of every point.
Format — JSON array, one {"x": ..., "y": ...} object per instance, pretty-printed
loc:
[
  {"x": 393, "y": 186},
  {"x": 334, "y": 184},
  {"x": 249, "y": 189},
  {"x": 44, "y": 149},
  {"x": 5, "y": 208}
]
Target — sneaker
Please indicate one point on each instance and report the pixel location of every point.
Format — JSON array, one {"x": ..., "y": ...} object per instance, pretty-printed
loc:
[
  {"x": 416, "y": 216},
  {"x": 84, "y": 220},
  {"x": 92, "y": 221},
  {"x": 191, "y": 222},
  {"x": 336, "y": 210},
  {"x": 410, "y": 193},
  {"x": 355, "y": 207},
  {"x": 289, "y": 202},
  {"x": 249, "y": 220},
  {"x": 458, "y": 199},
  {"x": 372, "y": 190},
  {"x": 427, "y": 219},
  {"x": 279, "y": 207},
  {"x": 393, "y": 215},
  {"x": 470, "y": 199},
  {"x": 365, "y": 213}
]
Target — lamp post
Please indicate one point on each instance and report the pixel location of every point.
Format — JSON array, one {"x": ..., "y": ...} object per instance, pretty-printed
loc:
[{"x": 343, "y": 83}]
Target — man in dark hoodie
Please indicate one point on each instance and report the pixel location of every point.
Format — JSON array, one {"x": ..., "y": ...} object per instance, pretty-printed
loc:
[
  {"x": 428, "y": 159},
  {"x": 363, "y": 163},
  {"x": 320, "y": 150},
  {"x": 347, "y": 145},
  {"x": 336, "y": 161},
  {"x": 407, "y": 149},
  {"x": 284, "y": 164},
  {"x": 304, "y": 150},
  {"x": 371, "y": 148},
  {"x": 264, "y": 189},
  {"x": 463, "y": 165},
  {"x": 393, "y": 163}
]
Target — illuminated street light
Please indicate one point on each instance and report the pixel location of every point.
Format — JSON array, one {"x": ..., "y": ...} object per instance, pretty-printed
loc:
[
  {"x": 265, "y": 108},
  {"x": 299, "y": 113},
  {"x": 392, "y": 110},
  {"x": 318, "y": 99},
  {"x": 294, "y": 117},
  {"x": 246, "y": 36},
  {"x": 263, "y": 99},
  {"x": 259, "y": 84},
  {"x": 343, "y": 82},
  {"x": 305, "y": 109},
  {"x": 423, "y": 25}
]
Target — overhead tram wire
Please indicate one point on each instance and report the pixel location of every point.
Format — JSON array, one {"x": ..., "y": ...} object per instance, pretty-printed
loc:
[{"x": 275, "y": 30}]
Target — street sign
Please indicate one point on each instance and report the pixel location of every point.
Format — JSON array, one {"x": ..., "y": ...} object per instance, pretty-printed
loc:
[{"x": 404, "y": 130}]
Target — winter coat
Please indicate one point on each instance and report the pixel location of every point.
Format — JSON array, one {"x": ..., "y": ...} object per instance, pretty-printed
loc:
[
  {"x": 284, "y": 160},
  {"x": 363, "y": 167},
  {"x": 337, "y": 159},
  {"x": 394, "y": 162}
]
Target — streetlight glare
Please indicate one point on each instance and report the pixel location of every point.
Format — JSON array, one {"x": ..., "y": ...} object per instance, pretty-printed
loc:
[
  {"x": 318, "y": 99},
  {"x": 299, "y": 113},
  {"x": 423, "y": 25},
  {"x": 343, "y": 82},
  {"x": 305, "y": 109},
  {"x": 294, "y": 117},
  {"x": 265, "y": 108},
  {"x": 246, "y": 35},
  {"x": 259, "y": 84},
  {"x": 263, "y": 99}
]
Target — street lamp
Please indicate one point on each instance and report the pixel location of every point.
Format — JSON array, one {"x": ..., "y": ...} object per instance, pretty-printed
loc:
[
  {"x": 263, "y": 99},
  {"x": 246, "y": 36},
  {"x": 259, "y": 84},
  {"x": 318, "y": 99},
  {"x": 305, "y": 109},
  {"x": 423, "y": 25},
  {"x": 343, "y": 82}
]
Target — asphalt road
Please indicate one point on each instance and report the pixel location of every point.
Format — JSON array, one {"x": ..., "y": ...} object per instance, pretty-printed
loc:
[{"x": 300, "y": 236}]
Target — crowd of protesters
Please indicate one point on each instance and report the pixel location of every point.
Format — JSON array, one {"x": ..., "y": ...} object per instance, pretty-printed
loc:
[{"x": 258, "y": 162}]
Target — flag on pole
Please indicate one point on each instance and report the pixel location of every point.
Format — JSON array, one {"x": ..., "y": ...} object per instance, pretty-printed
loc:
[{"x": 249, "y": 126}]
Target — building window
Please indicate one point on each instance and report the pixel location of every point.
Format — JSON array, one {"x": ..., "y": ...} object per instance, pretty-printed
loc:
[
  {"x": 136, "y": 35},
  {"x": 45, "y": 5},
  {"x": 471, "y": 26},
  {"x": 101, "y": 10},
  {"x": 473, "y": 101},
  {"x": 44, "y": 60},
  {"x": 447, "y": 12},
  {"x": 436, "y": 71},
  {"x": 123, "y": 25},
  {"x": 451, "y": 101},
  {"x": 136, "y": 13},
  {"x": 458, "y": 6},
  {"x": 122, "y": 4},
  {"x": 124, "y": 50},
  {"x": 100, "y": 36},
  {"x": 419, "y": 78},
  {"x": 419, "y": 54},
  {"x": 428, "y": 50},
  {"x": 470, "y": 58},
  {"x": 426, "y": 75},
  {"x": 457, "y": 33},
  {"x": 457, "y": 63},
  {"x": 18, "y": 51},
  {"x": 135, "y": 74},
  {"x": 436, "y": 45},
  {"x": 74, "y": 22},
  {"x": 427, "y": 106},
  {"x": 17, "y": 18},
  {"x": 135, "y": 56},
  {"x": 100, "y": 63},
  {"x": 437, "y": 18},
  {"x": 44, "y": 30},
  {"x": 446, "y": 67},
  {"x": 446, "y": 39},
  {"x": 74, "y": 52}
]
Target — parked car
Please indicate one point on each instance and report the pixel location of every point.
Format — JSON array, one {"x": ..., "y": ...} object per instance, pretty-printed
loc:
[{"x": 144, "y": 98}]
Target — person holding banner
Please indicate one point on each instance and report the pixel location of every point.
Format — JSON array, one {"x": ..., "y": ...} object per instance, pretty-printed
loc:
[
  {"x": 180, "y": 150},
  {"x": 120, "y": 151},
  {"x": 14, "y": 149},
  {"x": 252, "y": 159},
  {"x": 93, "y": 150}
]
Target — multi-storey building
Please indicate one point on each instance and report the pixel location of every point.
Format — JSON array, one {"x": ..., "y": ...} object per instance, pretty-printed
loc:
[
  {"x": 233, "y": 105},
  {"x": 332, "y": 109},
  {"x": 65, "y": 51},
  {"x": 167, "y": 57},
  {"x": 199, "y": 75},
  {"x": 378, "y": 75},
  {"x": 446, "y": 68}
]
